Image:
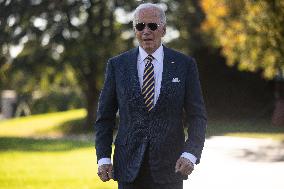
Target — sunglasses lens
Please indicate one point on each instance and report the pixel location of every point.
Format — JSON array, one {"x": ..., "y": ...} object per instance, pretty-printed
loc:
[
  {"x": 152, "y": 26},
  {"x": 140, "y": 26}
]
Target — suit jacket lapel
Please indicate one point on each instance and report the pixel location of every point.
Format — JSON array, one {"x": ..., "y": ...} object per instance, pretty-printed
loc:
[
  {"x": 169, "y": 69},
  {"x": 134, "y": 85}
]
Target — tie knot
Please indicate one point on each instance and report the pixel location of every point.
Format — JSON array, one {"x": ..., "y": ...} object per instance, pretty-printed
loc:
[{"x": 149, "y": 58}]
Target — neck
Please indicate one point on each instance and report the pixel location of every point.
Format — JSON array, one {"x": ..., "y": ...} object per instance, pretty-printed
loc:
[{"x": 150, "y": 51}]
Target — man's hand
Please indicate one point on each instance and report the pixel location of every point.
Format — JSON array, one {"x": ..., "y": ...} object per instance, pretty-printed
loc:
[
  {"x": 184, "y": 166},
  {"x": 105, "y": 172}
]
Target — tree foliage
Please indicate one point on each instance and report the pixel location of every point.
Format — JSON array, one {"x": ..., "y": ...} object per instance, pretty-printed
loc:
[
  {"x": 186, "y": 17},
  {"x": 36, "y": 67},
  {"x": 65, "y": 44},
  {"x": 250, "y": 33}
]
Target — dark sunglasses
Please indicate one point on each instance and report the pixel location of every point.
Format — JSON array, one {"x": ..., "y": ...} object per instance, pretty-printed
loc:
[{"x": 152, "y": 26}]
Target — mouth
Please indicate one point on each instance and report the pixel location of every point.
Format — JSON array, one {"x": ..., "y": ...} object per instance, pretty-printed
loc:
[{"x": 147, "y": 40}]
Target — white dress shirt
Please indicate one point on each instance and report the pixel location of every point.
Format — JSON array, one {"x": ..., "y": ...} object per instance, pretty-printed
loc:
[{"x": 158, "y": 70}]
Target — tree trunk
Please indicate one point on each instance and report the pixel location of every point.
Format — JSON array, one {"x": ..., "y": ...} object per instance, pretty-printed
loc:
[
  {"x": 278, "y": 113},
  {"x": 91, "y": 107}
]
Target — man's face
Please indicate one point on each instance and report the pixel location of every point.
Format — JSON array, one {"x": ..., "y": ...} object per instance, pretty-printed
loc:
[{"x": 150, "y": 40}]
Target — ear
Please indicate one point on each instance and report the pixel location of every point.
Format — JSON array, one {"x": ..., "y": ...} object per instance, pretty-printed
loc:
[{"x": 134, "y": 30}]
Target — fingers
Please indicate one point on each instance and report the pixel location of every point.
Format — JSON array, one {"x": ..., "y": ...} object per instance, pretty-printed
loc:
[
  {"x": 184, "y": 166},
  {"x": 103, "y": 176},
  {"x": 187, "y": 170},
  {"x": 105, "y": 172},
  {"x": 110, "y": 176},
  {"x": 102, "y": 173},
  {"x": 178, "y": 165}
]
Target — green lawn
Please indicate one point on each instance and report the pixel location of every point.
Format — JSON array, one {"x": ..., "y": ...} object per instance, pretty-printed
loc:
[
  {"x": 34, "y": 155},
  {"x": 51, "y": 124},
  {"x": 48, "y": 164}
]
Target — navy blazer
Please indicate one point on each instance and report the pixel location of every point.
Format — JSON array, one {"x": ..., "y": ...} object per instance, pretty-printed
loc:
[{"x": 180, "y": 104}]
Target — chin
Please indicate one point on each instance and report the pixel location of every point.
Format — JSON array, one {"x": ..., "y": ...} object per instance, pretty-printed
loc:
[{"x": 149, "y": 48}]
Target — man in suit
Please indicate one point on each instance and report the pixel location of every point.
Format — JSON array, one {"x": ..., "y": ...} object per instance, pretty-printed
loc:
[{"x": 157, "y": 92}]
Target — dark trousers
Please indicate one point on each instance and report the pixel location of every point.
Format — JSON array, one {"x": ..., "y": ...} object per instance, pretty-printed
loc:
[{"x": 144, "y": 179}]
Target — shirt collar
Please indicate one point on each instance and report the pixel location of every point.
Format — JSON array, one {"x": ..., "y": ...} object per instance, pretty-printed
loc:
[{"x": 158, "y": 54}]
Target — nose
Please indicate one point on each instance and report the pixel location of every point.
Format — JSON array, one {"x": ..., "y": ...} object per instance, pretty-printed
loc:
[{"x": 146, "y": 30}]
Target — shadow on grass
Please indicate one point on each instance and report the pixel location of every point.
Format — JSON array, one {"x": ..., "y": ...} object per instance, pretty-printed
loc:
[
  {"x": 71, "y": 127},
  {"x": 41, "y": 145},
  {"x": 223, "y": 127},
  {"x": 75, "y": 127}
]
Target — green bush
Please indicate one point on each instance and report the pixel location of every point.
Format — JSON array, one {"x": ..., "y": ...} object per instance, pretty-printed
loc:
[{"x": 57, "y": 101}]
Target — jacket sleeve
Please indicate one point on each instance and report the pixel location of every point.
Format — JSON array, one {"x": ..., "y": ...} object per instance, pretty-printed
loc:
[
  {"x": 106, "y": 115},
  {"x": 195, "y": 112}
]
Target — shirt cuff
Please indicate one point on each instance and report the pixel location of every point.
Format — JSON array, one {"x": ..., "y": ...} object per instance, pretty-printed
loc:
[
  {"x": 103, "y": 161},
  {"x": 189, "y": 156}
]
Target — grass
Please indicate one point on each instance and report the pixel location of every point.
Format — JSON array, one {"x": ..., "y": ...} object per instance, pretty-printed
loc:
[
  {"x": 34, "y": 155},
  {"x": 51, "y": 124},
  {"x": 49, "y": 164}
]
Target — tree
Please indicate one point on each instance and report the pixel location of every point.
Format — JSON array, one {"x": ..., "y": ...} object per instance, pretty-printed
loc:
[
  {"x": 250, "y": 33},
  {"x": 74, "y": 35},
  {"x": 35, "y": 68},
  {"x": 186, "y": 17},
  {"x": 90, "y": 35},
  {"x": 251, "y": 36}
]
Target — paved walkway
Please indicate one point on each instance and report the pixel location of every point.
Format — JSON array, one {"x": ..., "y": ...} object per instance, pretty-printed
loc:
[{"x": 239, "y": 163}]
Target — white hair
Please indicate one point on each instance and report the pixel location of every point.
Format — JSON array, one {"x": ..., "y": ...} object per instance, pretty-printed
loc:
[{"x": 142, "y": 6}]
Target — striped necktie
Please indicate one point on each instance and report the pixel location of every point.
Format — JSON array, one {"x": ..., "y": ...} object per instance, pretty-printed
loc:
[{"x": 148, "y": 87}]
